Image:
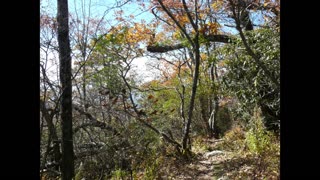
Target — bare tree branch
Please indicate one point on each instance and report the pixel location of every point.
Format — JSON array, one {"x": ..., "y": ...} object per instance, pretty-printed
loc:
[
  {"x": 94, "y": 122},
  {"x": 141, "y": 120}
]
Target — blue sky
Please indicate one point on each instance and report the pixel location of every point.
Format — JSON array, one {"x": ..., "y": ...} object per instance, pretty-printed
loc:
[{"x": 99, "y": 7}]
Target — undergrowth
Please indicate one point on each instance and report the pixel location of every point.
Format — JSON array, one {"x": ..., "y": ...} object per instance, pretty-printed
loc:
[{"x": 256, "y": 151}]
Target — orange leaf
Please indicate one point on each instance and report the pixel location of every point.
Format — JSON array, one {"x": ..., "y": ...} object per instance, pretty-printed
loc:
[{"x": 150, "y": 96}]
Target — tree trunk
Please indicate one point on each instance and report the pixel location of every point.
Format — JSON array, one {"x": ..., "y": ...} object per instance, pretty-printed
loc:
[
  {"x": 52, "y": 136},
  {"x": 185, "y": 144},
  {"x": 204, "y": 113},
  {"x": 216, "y": 131},
  {"x": 67, "y": 164},
  {"x": 213, "y": 119},
  {"x": 85, "y": 103}
]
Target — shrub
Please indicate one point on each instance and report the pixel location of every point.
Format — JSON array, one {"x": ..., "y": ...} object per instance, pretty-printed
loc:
[
  {"x": 234, "y": 139},
  {"x": 119, "y": 174},
  {"x": 258, "y": 139},
  {"x": 224, "y": 120}
]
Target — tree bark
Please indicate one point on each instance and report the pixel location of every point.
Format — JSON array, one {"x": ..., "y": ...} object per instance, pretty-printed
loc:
[
  {"x": 185, "y": 143},
  {"x": 67, "y": 165},
  {"x": 211, "y": 38},
  {"x": 214, "y": 125}
]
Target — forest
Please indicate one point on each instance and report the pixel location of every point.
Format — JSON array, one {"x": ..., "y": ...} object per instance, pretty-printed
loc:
[{"x": 159, "y": 89}]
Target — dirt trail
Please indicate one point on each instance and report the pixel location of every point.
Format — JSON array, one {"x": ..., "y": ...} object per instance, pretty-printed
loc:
[{"x": 205, "y": 166}]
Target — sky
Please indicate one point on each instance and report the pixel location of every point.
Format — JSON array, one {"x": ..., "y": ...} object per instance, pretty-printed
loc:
[{"x": 98, "y": 9}]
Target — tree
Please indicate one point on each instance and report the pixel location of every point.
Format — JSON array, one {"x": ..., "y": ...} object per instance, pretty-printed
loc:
[
  {"x": 250, "y": 84},
  {"x": 191, "y": 21},
  {"x": 67, "y": 164},
  {"x": 234, "y": 11},
  {"x": 49, "y": 98},
  {"x": 212, "y": 64},
  {"x": 195, "y": 44}
]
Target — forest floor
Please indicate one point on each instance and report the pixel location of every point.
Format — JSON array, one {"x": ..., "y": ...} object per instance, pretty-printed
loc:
[{"x": 209, "y": 163}]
